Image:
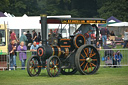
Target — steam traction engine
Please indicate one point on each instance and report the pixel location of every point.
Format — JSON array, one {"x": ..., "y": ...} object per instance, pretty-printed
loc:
[{"x": 67, "y": 57}]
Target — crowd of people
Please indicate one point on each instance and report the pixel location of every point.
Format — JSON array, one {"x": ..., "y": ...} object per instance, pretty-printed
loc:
[
  {"x": 32, "y": 42},
  {"x": 22, "y": 44}
]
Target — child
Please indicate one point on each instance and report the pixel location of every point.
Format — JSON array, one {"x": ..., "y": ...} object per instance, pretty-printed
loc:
[{"x": 118, "y": 57}]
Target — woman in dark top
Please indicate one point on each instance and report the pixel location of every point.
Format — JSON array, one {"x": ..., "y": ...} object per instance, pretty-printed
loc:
[
  {"x": 112, "y": 33},
  {"x": 38, "y": 38},
  {"x": 29, "y": 37}
]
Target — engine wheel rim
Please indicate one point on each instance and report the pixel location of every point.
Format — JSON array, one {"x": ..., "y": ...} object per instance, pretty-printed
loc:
[
  {"x": 53, "y": 66},
  {"x": 79, "y": 40},
  {"x": 88, "y": 60},
  {"x": 34, "y": 66}
]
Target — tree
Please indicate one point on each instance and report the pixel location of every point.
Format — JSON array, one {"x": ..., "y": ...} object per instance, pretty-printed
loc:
[{"x": 114, "y": 8}]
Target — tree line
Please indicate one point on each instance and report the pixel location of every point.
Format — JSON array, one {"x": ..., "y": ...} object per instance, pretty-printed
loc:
[{"x": 76, "y": 8}]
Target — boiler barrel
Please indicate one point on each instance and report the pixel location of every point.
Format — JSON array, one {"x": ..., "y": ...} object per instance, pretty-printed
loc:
[{"x": 46, "y": 51}]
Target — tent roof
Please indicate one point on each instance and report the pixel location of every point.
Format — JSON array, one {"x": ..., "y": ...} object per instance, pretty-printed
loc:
[
  {"x": 2, "y": 14},
  {"x": 120, "y": 24},
  {"x": 25, "y": 22},
  {"x": 105, "y": 25},
  {"x": 112, "y": 19}
]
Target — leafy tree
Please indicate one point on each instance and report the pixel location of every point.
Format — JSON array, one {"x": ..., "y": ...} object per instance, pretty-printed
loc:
[
  {"x": 76, "y": 8},
  {"x": 114, "y": 8},
  {"x": 4, "y": 5}
]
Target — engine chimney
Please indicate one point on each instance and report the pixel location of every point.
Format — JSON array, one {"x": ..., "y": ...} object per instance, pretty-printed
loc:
[{"x": 44, "y": 28}]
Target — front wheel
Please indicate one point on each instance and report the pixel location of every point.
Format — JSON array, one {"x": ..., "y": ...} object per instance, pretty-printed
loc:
[
  {"x": 53, "y": 66},
  {"x": 87, "y": 59},
  {"x": 34, "y": 66}
]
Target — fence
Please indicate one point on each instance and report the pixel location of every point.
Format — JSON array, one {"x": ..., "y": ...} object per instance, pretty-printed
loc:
[
  {"x": 18, "y": 61},
  {"x": 108, "y": 57},
  {"x": 113, "y": 57},
  {"x": 4, "y": 61}
]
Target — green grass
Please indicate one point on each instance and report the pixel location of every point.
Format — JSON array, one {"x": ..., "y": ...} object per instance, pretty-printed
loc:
[{"x": 105, "y": 76}]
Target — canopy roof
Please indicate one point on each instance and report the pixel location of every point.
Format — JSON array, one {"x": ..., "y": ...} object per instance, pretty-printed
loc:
[
  {"x": 75, "y": 20},
  {"x": 2, "y": 14},
  {"x": 105, "y": 25},
  {"x": 113, "y": 19},
  {"x": 120, "y": 24}
]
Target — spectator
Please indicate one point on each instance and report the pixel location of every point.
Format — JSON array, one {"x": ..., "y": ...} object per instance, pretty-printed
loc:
[
  {"x": 50, "y": 37},
  {"x": 108, "y": 33},
  {"x": 103, "y": 33},
  {"x": 38, "y": 38},
  {"x": 22, "y": 55},
  {"x": 10, "y": 36},
  {"x": 118, "y": 57},
  {"x": 0, "y": 38},
  {"x": 23, "y": 38},
  {"x": 34, "y": 35},
  {"x": 40, "y": 43},
  {"x": 125, "y": 38},
  {"x": 112, "y": 33},
  {"x": 88, "y": 34},
  {"x": 98, "y": 46},
  {"x": 33, "y": 48},
  {"x": 13, "y": 36},
  {"x": 29, "y": 37},
  {"x": 12, "y": 51}
]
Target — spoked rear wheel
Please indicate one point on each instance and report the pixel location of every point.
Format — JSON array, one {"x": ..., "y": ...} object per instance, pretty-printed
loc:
[
  {"x": 87, "y": 59},
  {"x": 53, "y": 66},
  {"x": 68, "y": 71},
  {"x": 34, "y": 66}
]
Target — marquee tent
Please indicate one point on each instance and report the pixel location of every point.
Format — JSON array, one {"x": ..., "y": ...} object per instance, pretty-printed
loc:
[
  {"x": 120, "y": 24},
  {"x": 28, "y": 23}
]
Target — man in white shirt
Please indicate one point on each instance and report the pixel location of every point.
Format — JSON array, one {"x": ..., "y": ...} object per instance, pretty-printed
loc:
[{"x": 125, "y": 38}]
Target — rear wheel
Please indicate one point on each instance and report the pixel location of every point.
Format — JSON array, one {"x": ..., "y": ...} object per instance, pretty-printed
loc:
[
  {"x": 53, "y": 66},
  {"x": 87, "y": 59},
  {"x": 34, "y": 66},
  {"x": 68, "y": 71}
]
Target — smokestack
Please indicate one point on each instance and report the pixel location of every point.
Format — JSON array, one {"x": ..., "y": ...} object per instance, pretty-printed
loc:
[{"x": 44, "y": 28}]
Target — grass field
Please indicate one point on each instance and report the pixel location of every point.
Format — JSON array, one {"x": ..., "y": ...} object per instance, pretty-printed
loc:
[{"x": 105, "y": 76}]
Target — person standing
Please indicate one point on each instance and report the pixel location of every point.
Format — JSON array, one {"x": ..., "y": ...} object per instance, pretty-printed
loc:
[
  {"x": 10, "y": 36},
  {"x": 22, "y": 55},
  {"x": 34, "y": 35},
  {"x": 98, "y": 46},
  {"x": 50, "y": 37},
  {"x": 13, "y": 36},
  {"x": 0, "y": 38},
  {"x": 29, "y": 37},
  {"x": 112, "y": 33},
  {"x": 12, "y": 51},
  {"x": 38, "y": 38},
  {"x": 86, "y": 30},
  {"x": 33, "y": 48},
  {"x": 103, "y": 33},
  {"x": 88, "y": 33},
  {"x": 23, "y": 38},
  {"x": 125, "y": 38}
]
